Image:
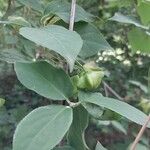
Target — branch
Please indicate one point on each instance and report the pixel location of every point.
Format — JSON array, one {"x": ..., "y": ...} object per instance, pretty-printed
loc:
[
  {"x": 133, "y": 147},
  {"x": 106, "y": 86},
  {"x": 106, "y": 91},
  {"x": 72, "y": 15},
  {"x": 71, "y": 23}
]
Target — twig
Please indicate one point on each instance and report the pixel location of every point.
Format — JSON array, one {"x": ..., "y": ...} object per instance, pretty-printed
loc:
[
  {"x": 106, "y": 91},
  {"x": 140, "y": 134},
  {"x": 112, "y": 91},
  {"x": 72, "y": 15},
  {"x": 71, "y": 23}
]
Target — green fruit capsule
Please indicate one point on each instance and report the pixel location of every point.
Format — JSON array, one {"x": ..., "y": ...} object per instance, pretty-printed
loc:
[
  {"x": 74, "y": 80},
  {"x": 90, "y": 79}
]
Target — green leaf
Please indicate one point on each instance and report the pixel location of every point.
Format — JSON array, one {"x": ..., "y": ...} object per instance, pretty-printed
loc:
[
  {"x": 118, "y": 126},
  {"x": 76, "y": 131},
  {"x": 13, "y": 55},
  {"x": 143, "y": 10},
  {"x": 99, "y": 147},
  {"x": 64, "y": 148},
  {"x": 117, "y": 106},
  {"x": 29, "y": 47},
  {"x": 66, "y": 43},
  {"x": 45, "y": 79},
  {"x": 43, "y": 128},
  {"x": 34, "y": 4},
  {"x": 11, "y": 39},
  {"x": 140, "y": 85},
  {"x": 94, "y": 110},
  {"x": 128, "y": 20},
  {"x": 62, "y": 10},
  {"x": 139, "y": 40},
  {"x": 139, "y": 147},
  {"x": 149, "y": 81},
  {"x": 2, "y": 102},
  {"x": 115, "y": 124},
  {"x": 93, "y": 40},
  {"x": 16, "y": 20},
  {"x": 119, "y": 3}
]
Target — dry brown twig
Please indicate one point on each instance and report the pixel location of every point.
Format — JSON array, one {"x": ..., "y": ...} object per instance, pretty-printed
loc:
[{"x": 137, "y": 139}]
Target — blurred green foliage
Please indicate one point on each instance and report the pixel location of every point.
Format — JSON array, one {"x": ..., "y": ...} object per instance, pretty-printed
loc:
[{"x": 121, "y": 65}]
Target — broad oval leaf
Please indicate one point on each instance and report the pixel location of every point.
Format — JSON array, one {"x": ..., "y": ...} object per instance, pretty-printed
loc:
[
  {"x": 93, "y": 40},
  {"x": 127, "y": 19},
  {"x": 45, "y": 79},
  {"x": 117, "y": 106},
  {"x": 76, "y": 132},
  {"x": 43, "y": 128},
  {"x": 66, "y": 43},
  {"x": 62, "y": 10}
]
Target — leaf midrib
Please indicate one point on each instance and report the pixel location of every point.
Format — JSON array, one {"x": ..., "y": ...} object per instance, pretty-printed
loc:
[
  {"x": 49, "y": 122},
  {"x": 41, "y": 75}
]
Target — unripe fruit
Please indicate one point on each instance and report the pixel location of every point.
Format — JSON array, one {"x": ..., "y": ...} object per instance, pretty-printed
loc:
[
  {"x": 74, "y": 80},
  {"x": 90, "y": 78}
]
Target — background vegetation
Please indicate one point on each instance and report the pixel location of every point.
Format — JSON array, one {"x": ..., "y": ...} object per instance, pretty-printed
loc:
[{"x": 127, "y": 72}]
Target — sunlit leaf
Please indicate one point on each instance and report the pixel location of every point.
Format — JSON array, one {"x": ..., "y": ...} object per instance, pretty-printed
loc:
[
  {"x": 139, "y": 40},
  {"x": 143, "y": 10}
]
